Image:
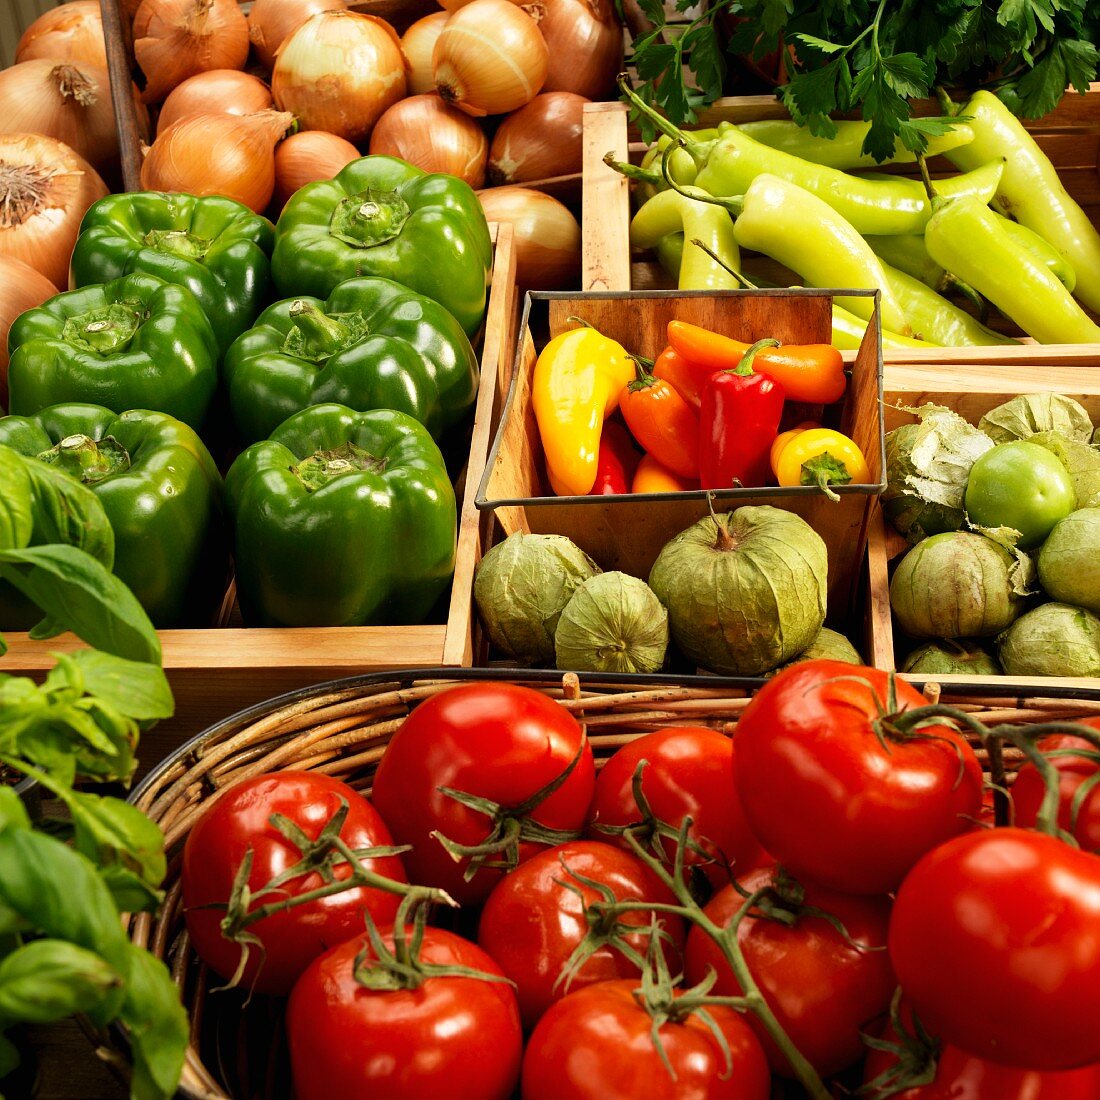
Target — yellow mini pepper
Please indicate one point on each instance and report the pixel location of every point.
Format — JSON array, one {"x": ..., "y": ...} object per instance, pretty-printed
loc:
[
  {"x": 822, "y": 457},
  {"x": 578, "y": 380},
  {"x": 784, "y": 438}
]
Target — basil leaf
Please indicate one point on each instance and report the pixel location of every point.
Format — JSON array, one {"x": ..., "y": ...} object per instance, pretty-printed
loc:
[
  {"x": 158, "y": 1027},
  {"x": 16, "y": 522},
  {"x": 118, "y": 837},
  {"x": 13, "y": 814},
  {"x": 47, "y": 980},
  {"x": 69, "y": 513},
  {"x": 135, "y": 689},
  {"x": 73, "y": 588}
]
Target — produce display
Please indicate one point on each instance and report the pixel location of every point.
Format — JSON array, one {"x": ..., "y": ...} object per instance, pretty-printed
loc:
[{"x": 1003, "y": 517}]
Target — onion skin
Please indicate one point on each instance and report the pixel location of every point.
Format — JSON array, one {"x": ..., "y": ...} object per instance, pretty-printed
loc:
[
  {"x": 218, "y": 155},
  {"x": 547, "y": 236},
  {"x": 69, "y": 32},
  {"x": 339, "y": 71},
  {"x": 217, "y": 92},
  {"x": 271, "y": 22},
  {"x": 424, "y": 131},
  {"x": 540, "y": 140},
  {"x": 305, "y": 158},
  {"x": 585, "y": 42},
  {"x": 417, "y": 44},
  {"x": 21, "y": 288},
  {"x": 68, "y": 102},
  {"x": 45, "y": 190},
  {"x": 175, "y": 39},
  {"x": 490, "y": 58}
]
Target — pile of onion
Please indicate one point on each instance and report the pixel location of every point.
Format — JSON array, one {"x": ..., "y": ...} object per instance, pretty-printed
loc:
[
  {"x": 208, "y": 154},
  {"x": 271, "y": 22},
  {"x": 217, "y": 92},
  {"x": 540, "y": 140},
  {"x": 490, "y": 58},
  {"x": 547, "y": 236},
  {"x": 45, "y": 190},
  {"x": 69, "y": 32},
  {"x": 424, "y": 131},
  {"x": 585, "y": 43},
  {"x": 307, "y": 157},
  {"x": 339, "y": 71},
  {"x": 417, "y": 44},
  {"x": 21, "y": 288},
  {"x": 175, "y": 39},
  {"x": 69, "y": 102}
]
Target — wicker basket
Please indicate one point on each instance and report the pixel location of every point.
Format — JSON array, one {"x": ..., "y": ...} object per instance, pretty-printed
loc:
[{"x": 342, "y": 729}]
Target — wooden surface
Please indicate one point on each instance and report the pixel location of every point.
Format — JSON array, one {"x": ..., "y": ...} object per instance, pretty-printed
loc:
[{"x": 627, "y": 532}]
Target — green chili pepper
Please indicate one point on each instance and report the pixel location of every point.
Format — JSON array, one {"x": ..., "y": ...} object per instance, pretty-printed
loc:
[
  {"x": 848, "y": 330},
  {"x": 1042, "y": 250},
  {"x": 670, "y": 253},
  {"x": 682, "y": 166},
  {"x": 935, "y": 319},
  {"x": 845, "y": 148},
  {"x": 967, "y": 238},
  {"x": 907, "y": 253},
  {"x": 1030, "y": 190},
  {"x": 671, "y": 212}
]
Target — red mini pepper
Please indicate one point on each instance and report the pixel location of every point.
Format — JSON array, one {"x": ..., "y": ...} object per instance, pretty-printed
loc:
[
  {"x": 616, "y": 462},
  {"x": 740, "y": 418}
]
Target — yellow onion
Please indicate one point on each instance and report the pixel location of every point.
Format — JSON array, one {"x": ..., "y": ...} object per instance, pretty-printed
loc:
[
  {"x": 417, "y": 45},
  {"x": 21, "y": 288},
  {"x": 585, "y": 41},
  {"x": 69, "y": 32},
  {"x": 69, "y": 102},
  {"x": 175, "y": 39},
  {"x": 306, "y": 157},
  {"x": 490, "y": 58},
  {"x": 270, "y": 22},
  {"x": 217, "y": 92},
  {"x": 547, "y": 236},
  {"x": 45, "y": 189},
  {"x": 338, "y": 72},
  {"x": 424, "y": 131},
  {"x": 210, "y": 154},
  {"x": 540, "y": 140}
]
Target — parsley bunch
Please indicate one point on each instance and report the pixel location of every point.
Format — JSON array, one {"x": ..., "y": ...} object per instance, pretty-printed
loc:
[{"x": 874, "y": 56}]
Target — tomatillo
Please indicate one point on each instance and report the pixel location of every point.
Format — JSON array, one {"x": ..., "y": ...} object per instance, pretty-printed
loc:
[{"x": 1020, "y": 485}]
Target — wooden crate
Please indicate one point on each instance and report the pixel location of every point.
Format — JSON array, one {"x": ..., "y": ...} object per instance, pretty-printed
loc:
[
  {"x": 971, "y": 391},
  {"x": 1069, "y": 135},
  {"x": 216, "y": 672},
  {"x": 627, "y": 532}
]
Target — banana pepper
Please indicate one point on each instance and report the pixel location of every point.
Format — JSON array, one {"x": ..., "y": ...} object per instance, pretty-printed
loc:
[{"x": 578, "y": 380}]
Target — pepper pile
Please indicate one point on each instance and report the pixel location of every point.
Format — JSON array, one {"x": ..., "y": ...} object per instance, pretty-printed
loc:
[
  {"x": 1004, "y": 232},
  {"x": 342, "y": 392},
  {"x": 707, "y": 411}
]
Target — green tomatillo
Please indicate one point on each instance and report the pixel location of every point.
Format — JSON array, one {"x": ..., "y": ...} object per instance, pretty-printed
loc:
[
  {"x": 342, "y": 518},
  {"x": 1022, "y": 486}
]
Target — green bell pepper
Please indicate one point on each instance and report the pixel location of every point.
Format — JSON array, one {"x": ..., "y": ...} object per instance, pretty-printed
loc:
[
  {"x": 342, "y": 518},
  {"x": 381, "y": 216},
  {"x": 133, "y": 343},
  {"x": 217, "y": 248},
  {"x": 160, "y": 490},
  {"x": 373, "y": 345}
]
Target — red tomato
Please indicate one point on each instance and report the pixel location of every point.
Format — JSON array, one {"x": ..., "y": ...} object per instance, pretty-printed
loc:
[
  {"x": 531, "y": 924},
  {"x": 1029, "y": 788},
  {"x": 497, "y": 741},
  {"x": 822, "y": 990},
  {"x": 452, "y": 1037},
  {"x": 239, "y": 820},
  {"x": 961, "y": 1076},
  {"x": 995, "y": 938},
  {"x": 689, "y": 774},
  {"x": 831, "y": 801},
  {"x": 597, "y": 1044}
]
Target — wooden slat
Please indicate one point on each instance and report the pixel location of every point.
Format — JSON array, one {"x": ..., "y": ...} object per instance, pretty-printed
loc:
[
  {"x": 120, "y": 66},
  {"x": 605, "y": 203}
]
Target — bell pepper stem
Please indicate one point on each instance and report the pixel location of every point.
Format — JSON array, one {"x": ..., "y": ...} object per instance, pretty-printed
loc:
[
  {"x": 633, "y": 171},
  {"x": 177, "y": 242},
  {"x": 732, "y": 204},
  {"x": 744, "y": 280},
  {"x": 319, "y": 334},
  {"x": 87, "y": 461},
  {"x": 695, "y": 150}
]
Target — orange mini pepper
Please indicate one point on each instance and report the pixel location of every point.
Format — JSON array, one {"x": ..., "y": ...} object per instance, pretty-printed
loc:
[
  {"x": 813, "y": 373},
  {"x": 662, "y": 422},
  {"x": 652, "y": 477},
  {"x": 688, "y": 379}
]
